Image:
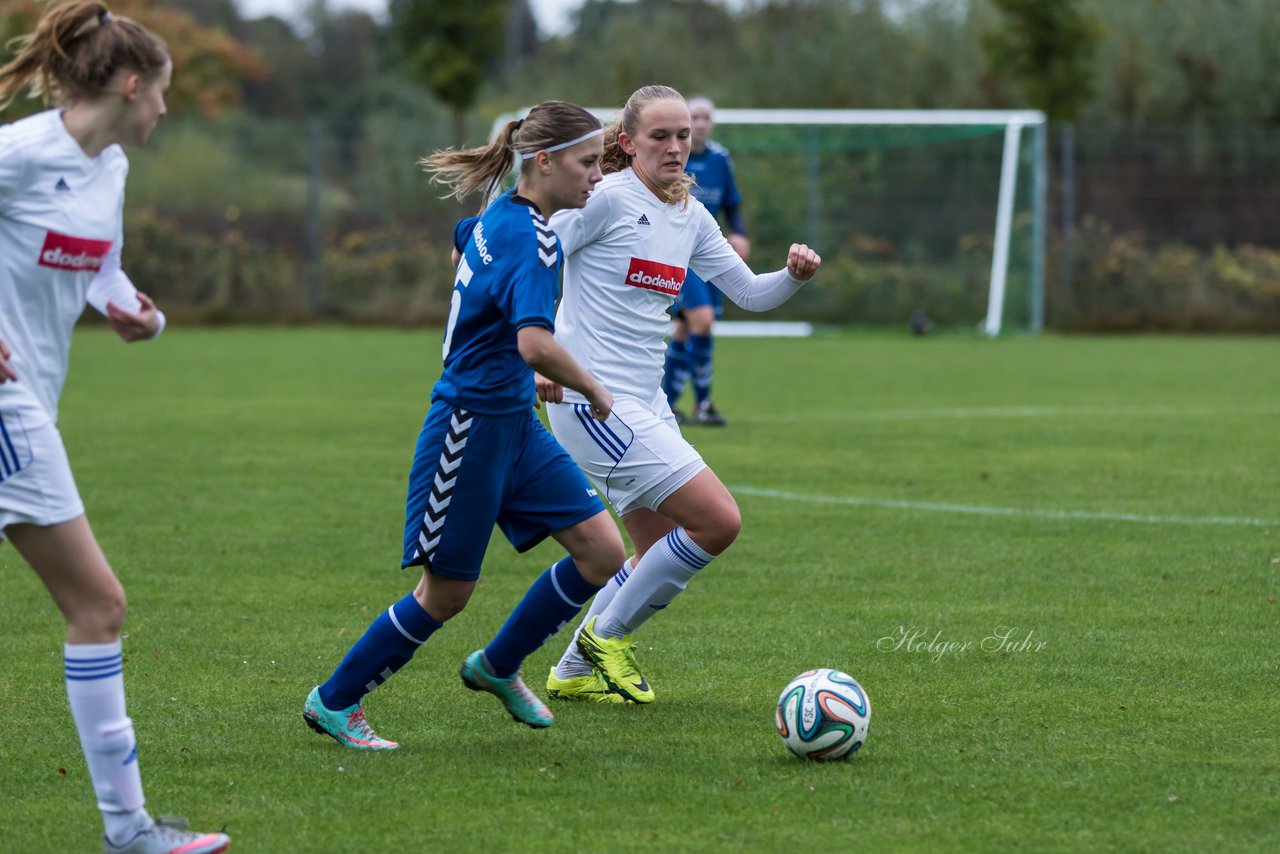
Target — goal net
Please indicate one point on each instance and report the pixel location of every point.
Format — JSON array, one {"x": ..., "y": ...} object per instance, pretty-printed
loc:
[{"x": 936, "y": 212}]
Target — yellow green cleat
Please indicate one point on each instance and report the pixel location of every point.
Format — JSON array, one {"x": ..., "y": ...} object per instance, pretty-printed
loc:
[
  {"x": 616, "y": 659},
  {"x": 590, "y": 688}
]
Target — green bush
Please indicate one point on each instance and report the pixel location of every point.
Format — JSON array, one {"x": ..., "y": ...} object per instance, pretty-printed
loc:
[
  {"x": 391, "y": 275},
  {"x": 1120, "y": 283}
]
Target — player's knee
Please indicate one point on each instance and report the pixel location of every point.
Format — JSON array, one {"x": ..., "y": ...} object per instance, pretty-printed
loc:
[
  {"x": 730, "y": 525},
  {"x": 602, "y": 563},
  {"x": 443, "y": 602},
  {"x": 720, "y": 528},
  {"x": 444, "y": 608},
  {"x": 114, "y": 608},
  {"x": 99, "y": 614},
  {"x": 700, "y": 323}
]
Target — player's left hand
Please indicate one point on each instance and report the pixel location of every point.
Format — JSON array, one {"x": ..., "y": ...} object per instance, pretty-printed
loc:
[
  {"x": 803, "y": 262},
  {"x": 135, "y": 327}
]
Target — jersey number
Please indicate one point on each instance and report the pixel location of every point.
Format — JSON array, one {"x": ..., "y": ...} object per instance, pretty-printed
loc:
[{"x": 455, "y": 304}]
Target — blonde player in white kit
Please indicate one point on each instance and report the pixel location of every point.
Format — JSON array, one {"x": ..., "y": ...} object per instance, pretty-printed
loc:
[
  {"x": 626, "y": 254},
  {"x": 62, "y": 176}
]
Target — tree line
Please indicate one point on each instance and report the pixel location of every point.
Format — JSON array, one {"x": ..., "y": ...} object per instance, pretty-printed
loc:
[{"x": 288, "y": 167}]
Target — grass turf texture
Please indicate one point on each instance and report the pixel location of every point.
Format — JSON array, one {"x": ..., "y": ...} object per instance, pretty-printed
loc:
[{"x": 247, "y": 486}]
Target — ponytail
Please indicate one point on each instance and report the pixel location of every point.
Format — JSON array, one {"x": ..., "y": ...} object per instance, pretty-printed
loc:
[
  {"x": 76, "y": 50},
  {"x": 547, "y": 126}
]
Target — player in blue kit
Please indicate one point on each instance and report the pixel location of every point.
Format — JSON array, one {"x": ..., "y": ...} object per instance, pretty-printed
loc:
[
  {"x": 691, "y": 349},
  {"x": 483, "y": 457}
]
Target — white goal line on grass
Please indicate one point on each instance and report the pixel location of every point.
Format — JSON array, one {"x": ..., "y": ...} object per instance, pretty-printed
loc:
[
  {"x": 1011, "y": 512},
  {"x": 1160, "y": 410},
  {"x": 763, "y": 329}
]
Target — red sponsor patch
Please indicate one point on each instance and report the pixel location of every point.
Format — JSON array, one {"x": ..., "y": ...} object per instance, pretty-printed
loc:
[
  {"x": 78, "y": 254},
  {"x": 653, "y": 276}
]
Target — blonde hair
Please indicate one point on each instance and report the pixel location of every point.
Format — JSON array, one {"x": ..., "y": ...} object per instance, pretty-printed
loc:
[
  {"x": 484, "y": 168},
  {"x": 75, "y": 51},
  {"x": 628, "y": 120}
]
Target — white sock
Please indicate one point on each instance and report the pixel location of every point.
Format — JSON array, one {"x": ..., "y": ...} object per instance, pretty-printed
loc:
[
  {"x": 657, "y": 579},
  {"x": 95, "y": 689},
  {"x": 572, "y": 663}
]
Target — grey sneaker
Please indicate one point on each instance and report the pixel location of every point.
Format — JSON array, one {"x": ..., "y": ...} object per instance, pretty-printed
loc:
[{"x": 169, "y": 835}]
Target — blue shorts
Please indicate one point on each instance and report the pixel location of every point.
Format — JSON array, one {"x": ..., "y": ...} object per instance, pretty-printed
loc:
[
  {"x": 698, "y": 294},
  {"x": 473, "y": 471}
]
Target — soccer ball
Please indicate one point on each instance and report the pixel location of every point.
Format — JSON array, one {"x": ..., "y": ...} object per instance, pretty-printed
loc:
[{"x": 823, "y": 714}]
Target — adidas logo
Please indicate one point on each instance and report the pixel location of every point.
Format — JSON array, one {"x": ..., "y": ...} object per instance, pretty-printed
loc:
[
  {"x": 62, "y": 186},
  {"x": 643, "y": 220}
]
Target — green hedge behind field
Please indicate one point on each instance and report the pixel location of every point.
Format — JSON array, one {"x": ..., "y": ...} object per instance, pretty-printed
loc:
[{"x": 403, "y": 276}]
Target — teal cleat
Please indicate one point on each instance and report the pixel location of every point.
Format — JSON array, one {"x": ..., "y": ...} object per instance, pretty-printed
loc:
[
  {"x": 521, "y": 703},
  {"x": 347, "y": 727}
]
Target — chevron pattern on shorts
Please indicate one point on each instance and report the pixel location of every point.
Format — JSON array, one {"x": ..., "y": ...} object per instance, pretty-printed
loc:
[{"x": 442, "y": 489}]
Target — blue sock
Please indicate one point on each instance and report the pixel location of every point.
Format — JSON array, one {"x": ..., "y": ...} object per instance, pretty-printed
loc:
[
  {"x": 386, "y": 646},
  {"x": 553, "y": 600},
  {"x": 700, "y": 347},
  {"x": 676, "y": 373}
]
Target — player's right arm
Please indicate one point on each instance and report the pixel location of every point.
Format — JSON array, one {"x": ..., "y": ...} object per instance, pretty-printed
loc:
[
  {"x": 12, "y": 168},
  {"x": 553, "y": 363}
]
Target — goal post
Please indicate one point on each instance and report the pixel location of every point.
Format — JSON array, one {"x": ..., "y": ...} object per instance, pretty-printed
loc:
[{"x": 940, "y": 211}]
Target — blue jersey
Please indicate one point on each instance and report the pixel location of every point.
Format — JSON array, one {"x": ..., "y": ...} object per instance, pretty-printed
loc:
[
  {"x": 508, "y": 278},
  {"x": 716, "y": 187}
]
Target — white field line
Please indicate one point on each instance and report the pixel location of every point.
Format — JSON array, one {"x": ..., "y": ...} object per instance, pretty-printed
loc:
[
  {"x": 1013, "y": 512},
  {"x": 1009, "y": 412}
]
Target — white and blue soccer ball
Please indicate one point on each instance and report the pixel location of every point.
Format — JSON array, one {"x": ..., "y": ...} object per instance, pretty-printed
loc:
[{"x": 823, "y": 714}]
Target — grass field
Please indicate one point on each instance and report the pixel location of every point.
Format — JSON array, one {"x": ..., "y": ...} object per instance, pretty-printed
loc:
[{"x": 1113, "y": 502}]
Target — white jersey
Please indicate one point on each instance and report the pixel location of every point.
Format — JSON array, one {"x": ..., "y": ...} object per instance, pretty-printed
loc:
[
  {"x": 60, "y": 237},
  {"x": 626, "y": 254}
]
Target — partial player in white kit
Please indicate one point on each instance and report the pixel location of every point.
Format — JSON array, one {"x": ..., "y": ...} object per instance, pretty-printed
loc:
[
  {"x": 62, "y": 176},
  {"x": 626, "y": 254}
]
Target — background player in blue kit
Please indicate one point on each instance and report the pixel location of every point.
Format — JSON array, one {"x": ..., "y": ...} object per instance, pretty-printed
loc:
[
  {"x": 483, "y": 457},
  {"x": 690, "y": 353}
]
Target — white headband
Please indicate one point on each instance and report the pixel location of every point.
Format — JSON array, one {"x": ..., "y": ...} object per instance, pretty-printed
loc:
[{"x": 586, "y": 136}]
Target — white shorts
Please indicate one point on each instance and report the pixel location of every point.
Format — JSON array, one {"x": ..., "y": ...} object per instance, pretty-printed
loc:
[
  {"x": 36, "y": 485},
  {"x": 636, "y": 458}
]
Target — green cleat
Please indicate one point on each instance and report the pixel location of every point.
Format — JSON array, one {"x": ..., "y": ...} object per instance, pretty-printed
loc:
[
  {"x": 521, "y": 703},
  {"x": 590, "y": 688},
  {"x": 347, "y": 727},
  {"x": 616, "y": 659}
]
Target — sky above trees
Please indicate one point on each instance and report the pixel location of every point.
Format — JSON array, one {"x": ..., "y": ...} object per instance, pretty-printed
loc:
[{"x": 552, "y": 15}]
